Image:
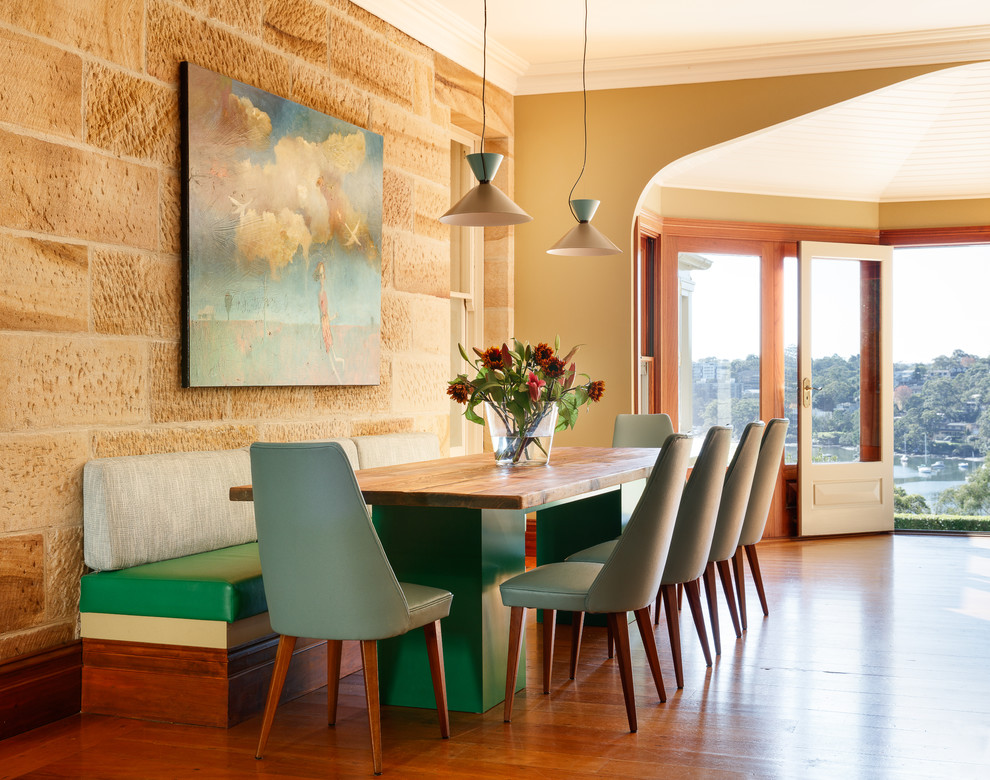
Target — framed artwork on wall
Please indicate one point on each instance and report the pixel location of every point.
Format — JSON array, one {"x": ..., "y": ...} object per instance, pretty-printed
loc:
[{"x": 282, "y": 218}]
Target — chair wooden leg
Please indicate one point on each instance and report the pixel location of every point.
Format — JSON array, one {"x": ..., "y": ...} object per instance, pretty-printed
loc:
[
  {"x": 725, "y": 574},
  {"x": 693, "y": 592},
  {"x": 577, "y": 631},
  {"x": 650, "y": 644},
  {"x": 621, "y": 630},
  {"x": 334, "y": 651},
  {"x": 549, "y": 631},
  {"x": 710, "y": 595},
  {"x": 754, "y": 566},
  {"x": 283, "y": 657},
  {"x": 737, "y": 567},
  {"x": 680, "y": 595},
  {"x": 434, "y": 649},
  {"x": 611, "y": 641},
  {"x": 674, "y": 630},
  {"x": 656, "y": 606},
  {"x": 516, "y": 619},
  {"x": 369, "y": 657}
]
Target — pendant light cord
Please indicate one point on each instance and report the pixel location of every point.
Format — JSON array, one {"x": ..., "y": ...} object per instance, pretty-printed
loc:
[
  {"x": 584, "y": 94},
  {"x": 484, "y": 84}
]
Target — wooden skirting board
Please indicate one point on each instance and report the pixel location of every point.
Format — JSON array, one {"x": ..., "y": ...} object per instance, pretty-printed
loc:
[
  {"x": 197, "y": 685},
  {"x": 39, "y": 688}
]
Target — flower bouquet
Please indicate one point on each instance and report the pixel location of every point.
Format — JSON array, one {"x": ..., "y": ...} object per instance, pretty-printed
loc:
[{"x": 528, "y": 393}]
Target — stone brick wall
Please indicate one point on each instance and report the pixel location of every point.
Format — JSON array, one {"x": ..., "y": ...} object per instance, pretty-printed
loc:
[{"x": 90, "y": 242}]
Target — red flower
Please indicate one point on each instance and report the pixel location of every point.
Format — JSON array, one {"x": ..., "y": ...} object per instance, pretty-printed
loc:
[
  {"x": 459, "y": 391},
  {"x": 492, "y": 358},
  {"x": 534, "y": 384},
  {"x": 596, "y": 390},
  {"x": 542, "y": 354},
  {"x": 554, "y": 368}
]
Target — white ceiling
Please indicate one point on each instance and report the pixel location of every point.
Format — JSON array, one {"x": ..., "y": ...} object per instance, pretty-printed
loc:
[
  {"x": 927, "y": 138},
  {"x": 923, "y": 139}
]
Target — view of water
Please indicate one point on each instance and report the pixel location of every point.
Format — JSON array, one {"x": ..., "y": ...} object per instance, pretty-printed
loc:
[
  {"x": 930, "y": 485},
  {"x": 907, "y": 476}
]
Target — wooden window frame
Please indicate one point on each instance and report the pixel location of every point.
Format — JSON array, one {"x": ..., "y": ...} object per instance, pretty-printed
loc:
[{"x": 666, "y": 238}]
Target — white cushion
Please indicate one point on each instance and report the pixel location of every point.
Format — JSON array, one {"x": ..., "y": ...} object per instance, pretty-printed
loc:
[
  {"x": 391, "y": 449},
  {"x": 143, "y": 508}
]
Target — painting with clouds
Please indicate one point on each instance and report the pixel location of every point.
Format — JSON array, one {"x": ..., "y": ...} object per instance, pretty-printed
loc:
[{"x": 282, "y": 242}]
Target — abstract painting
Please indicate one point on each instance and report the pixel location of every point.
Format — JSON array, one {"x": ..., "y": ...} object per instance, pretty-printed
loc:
[{"x": 282, "y": 240}]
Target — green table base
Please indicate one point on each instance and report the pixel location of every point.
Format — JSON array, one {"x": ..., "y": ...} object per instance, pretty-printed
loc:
[
  {"x": 469, "y": 552},
  {"x": 568, "y": 526}
]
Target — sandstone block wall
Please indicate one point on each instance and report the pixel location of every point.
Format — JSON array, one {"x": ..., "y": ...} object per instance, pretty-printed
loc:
[{"x": 90, "y": 240}]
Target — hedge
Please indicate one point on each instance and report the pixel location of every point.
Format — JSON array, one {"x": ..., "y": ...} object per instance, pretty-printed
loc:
[{"x": 906, "y": 522}]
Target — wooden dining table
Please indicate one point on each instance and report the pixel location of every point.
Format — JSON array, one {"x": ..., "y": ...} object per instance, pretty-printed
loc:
[{"x": 460, "y": 523}]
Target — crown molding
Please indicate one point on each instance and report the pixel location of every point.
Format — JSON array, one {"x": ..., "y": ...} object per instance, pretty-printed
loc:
[
  {"x": 747, "y": 62},
  {"x": 448, "y": 34},
  {"x": 432, "y": 24}
]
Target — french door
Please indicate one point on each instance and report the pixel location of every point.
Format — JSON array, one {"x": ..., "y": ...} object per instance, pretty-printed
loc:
[
  {"x": 845, "y": 371},
  {"x": 685, "y": 265}
]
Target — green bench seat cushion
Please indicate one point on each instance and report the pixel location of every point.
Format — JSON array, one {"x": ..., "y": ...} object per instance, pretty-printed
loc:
[{"x": 221, "y": 584}]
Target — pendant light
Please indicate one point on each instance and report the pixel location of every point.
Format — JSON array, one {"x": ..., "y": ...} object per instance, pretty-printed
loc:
[
  {"x": 583, "y": 238},
  {"x": 485, "y": 205}
]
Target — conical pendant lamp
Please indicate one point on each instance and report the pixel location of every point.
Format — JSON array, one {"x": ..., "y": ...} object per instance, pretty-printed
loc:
[
  {"x": 584, "y": 239},
  {"x": 485, "y": 205}
]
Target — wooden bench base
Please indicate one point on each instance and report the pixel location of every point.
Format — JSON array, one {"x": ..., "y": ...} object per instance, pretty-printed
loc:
[{"x": 200, "y": 686}]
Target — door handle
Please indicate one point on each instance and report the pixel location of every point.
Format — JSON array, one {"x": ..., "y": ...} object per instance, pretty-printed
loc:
[{"x": 806, "y": 395}]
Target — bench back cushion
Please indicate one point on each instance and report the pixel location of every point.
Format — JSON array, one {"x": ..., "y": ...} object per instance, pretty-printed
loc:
[
  {"x": 391, "y": 449},
  {"x": 143, "y": 508}
]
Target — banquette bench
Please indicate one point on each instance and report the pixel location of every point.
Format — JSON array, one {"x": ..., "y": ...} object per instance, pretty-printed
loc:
[{"x": 174, "y": 621}]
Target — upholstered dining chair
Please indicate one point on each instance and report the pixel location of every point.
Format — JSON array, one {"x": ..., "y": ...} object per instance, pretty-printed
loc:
[
  {"x": 626, "y": 582},
  {"x": 633, "y": 430},
  {"x": 641, "y": 430},
  {"x": 764, "y": 483},
  {"x": 689, "y": 545},
  {"x": 326, "y": 575},
  {"x": 736, "y": 490}
]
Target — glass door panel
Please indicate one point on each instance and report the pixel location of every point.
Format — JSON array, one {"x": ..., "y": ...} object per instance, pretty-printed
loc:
[
  {"x": 718, "y": 341},
  {"x": 844, "y": 360}
]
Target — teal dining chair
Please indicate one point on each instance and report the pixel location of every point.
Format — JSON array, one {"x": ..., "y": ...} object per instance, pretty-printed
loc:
[
  {"x": 626, "y": 582},
  {"x": 326, "y": 575},
  {"x": 689, "y": 545},
  {"x": 764, "y": 483},
  {"x": 641, "y": 430},
  {"x": 630, "y": 430},
  {"x": 736, "y": 489}
]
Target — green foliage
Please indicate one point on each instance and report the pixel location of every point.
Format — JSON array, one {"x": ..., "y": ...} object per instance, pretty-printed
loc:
[
  {"x": 938, "y": 400},
  {"x": 912, "y": 504},
  {"x": 909, "y": 522},
  {"x": 970, "y": 498},
  {"x": 745, "y": 410}
]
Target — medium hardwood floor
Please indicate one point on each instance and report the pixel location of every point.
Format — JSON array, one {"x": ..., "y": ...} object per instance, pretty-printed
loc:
[{"x": 874, "y": 663}]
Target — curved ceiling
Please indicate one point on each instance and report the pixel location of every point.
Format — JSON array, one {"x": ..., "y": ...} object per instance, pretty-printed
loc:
[{"x": 926, "y": 138}]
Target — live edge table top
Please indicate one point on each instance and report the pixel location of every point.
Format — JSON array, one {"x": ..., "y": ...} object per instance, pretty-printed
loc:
[{"x": 474, "y": 481}]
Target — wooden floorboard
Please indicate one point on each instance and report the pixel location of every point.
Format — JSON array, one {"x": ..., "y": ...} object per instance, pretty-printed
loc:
[{"x": 874, "y": 663}]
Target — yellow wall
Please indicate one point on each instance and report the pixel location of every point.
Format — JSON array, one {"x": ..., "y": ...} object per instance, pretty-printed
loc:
[
  {"x": 735, "y": 207},
  {"x": 952, "y": 213},
  {"x": 633, "y": 134}
]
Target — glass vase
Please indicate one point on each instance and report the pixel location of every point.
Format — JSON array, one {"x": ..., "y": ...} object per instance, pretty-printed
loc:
[{"x": 525, "y": 443}]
